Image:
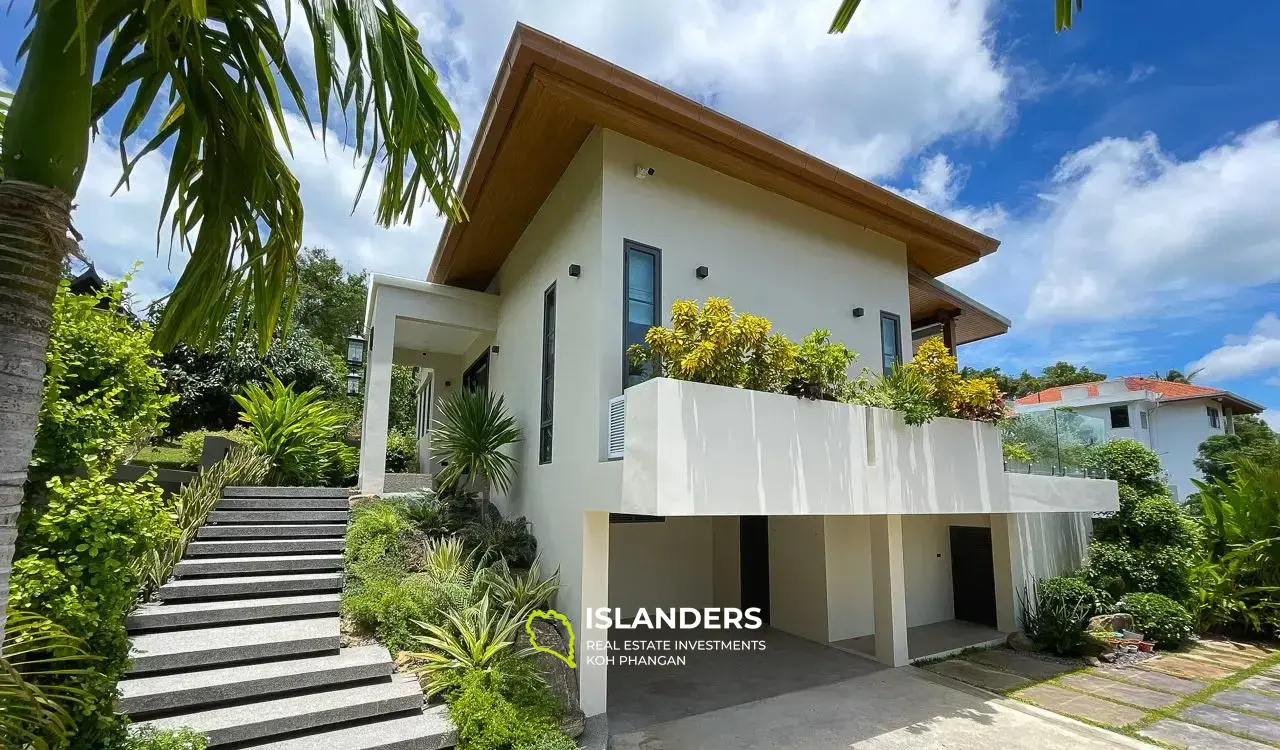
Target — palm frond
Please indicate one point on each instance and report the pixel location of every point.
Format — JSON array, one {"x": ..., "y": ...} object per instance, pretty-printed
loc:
[
  {"x": 34, "y": 714},
  {"x": 224, "y": 73},
  {"x": 1063, "y": 11},
  {"x": 470, "y": 435}
]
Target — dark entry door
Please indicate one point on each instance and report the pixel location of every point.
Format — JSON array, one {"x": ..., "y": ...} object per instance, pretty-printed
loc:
[
  {"x": 753, "y": 539},
  {"x": 973, "y": 575}
]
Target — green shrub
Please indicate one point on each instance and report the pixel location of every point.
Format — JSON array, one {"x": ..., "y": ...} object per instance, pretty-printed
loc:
[
  {"x": 102, "y": 398},
  {"x": 506, "y": 539},
  {"x": 506, "y": 709},
  {"x": 520, "y": 591},
  {"x": 1129, "y": 463},
  {"x": 149, "y": 738},
  {"x": 1057, "y": 618},
  {"x": 903, "y": 389},
  {"x": 39, "y": 671},
  {"x": 470, "y": 437},
  {"x": 78, "y": 569},
  {"x": 376, "y": 528},
  {"x": 402, "y": 451},
  {"x": 1160, "y": 619},
  {"x": 192, "y": 443},
  {"x": 821, "y": 367},
  {"x": 476, "y": 638},
  {"x": 300, "y": 432}
]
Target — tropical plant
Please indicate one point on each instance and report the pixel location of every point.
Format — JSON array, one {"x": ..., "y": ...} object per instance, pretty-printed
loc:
[
  {"x": 1131, "y": 464},
  {"x": 1062, "y": 14},
  {"x": 510, "y": 540},
  {"x": 402, "y": 451},
  {"x": 1056, "y": 614},
  {"x": 477, "y": 638},
  {"x": 1160, "y": 619},
  {"x": 149, "y": 738},
  {"x": 39, "y": 668},
  {"x": 300, "y": 432},
  {"x": 903, "y": 389},
  {"x": 520, "y": 591},
  {"x": 713, "y": 344},
  {"x": 230, "y": 199},
  {"x": 821, "y": 367},
  {"x": 508, "y": 706},
  {"x": 244, "y": 465},
  {"x": 469, "y": 437},
  {"x": 1253, "y": 440}
]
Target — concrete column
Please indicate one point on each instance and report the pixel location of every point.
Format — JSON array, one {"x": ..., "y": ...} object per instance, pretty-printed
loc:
[
  {"x": 1006, "y": 551},
  {"x": 377, "y": 403},
  {"x": 593, "y": 678},
  {"x": 889, "y": 591}
]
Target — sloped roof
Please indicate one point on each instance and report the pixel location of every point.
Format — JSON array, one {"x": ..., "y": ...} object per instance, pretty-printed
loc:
[{"x": 1166, "y": 389}]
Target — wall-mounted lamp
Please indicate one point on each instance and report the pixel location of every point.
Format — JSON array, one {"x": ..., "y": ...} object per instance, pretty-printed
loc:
[
  {"x": 702, "y": 272},
  {"x": 857, "y": 312},
  {"x": 355, "y": 350},
  {"x": 493, "y": 349},
  {"x": 353, "y": 384},
  {"x": 448, "y": 383},
  {"x": 575, "y": 270}
]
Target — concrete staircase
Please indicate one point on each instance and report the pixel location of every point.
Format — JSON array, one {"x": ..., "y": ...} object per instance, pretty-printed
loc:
[{"x": 243, "y": 644}]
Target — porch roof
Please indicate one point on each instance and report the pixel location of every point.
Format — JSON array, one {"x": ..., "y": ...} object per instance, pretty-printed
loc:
[{"x": 931, "y": 298}]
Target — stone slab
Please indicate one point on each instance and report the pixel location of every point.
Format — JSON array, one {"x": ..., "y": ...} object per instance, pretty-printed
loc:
[
  {"x": 1262, "y": 682},
  {"x": 1248, "y": 700},
  {"x": 1154, "y": 680},
  {"x": 1181, "y": 734},
  {"x": 1183, "y": 666},
  {"x": 273, "y": 530},
  {"x": 206, "y": 647},
  {"x": 430, "y": 730},
  {"x": 277, "y": 516},
  {"x": 227, "y": 547},
  {"x": 1222, "y": 658},
  {"x": 227, "y": 566},
  {"x": 1233, "y": 721},
  {"x": 249, "y": 586},
  {"x": 974, "y": 674},
  {"x": 286, "y": 492},
  {"x": 1260, "y": 650},
  {"x": 282, "y": 503},
  {"x": 229, "y": 611},
  {"x": 1020, "y": 664},
  {"x": 1069, "y": 702},
  {"x": 1118, "y": 691}
]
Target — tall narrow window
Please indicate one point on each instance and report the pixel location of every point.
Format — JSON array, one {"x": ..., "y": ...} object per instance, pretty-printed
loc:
[
  {"x": 548, "y": 373},
  {"x": 1213, "y": 416},
  {"x": 890, "y": 341},
  {"x": 476, "y": 377},
  {"x": 642, "y": 287}
]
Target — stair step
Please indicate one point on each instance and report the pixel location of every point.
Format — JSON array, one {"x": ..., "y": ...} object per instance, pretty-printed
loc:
[
  {"x": 277, "y": 516},
  {"x": 185, "y": 690},
  {"x": 206, "y": 647},
  {"x": 272, "y": 531},
  {"x": 283, "y": 503},
  {"x": 296, "y": 713},
  {"x": 341, "y": 492},
  {"x": 231, "y": 611},
  {"x": 265, "y": 585},
  {"x": 225, "y": 547},
  {"x": 264, "y": 564},
  {"x": 430, "y": 730}
]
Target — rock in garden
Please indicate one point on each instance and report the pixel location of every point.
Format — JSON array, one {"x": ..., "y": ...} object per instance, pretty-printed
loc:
[
  {"x": 1109, "y": 657},
  {"x": 1116, "y": 623},
  {"x": 1018, "y": 641},
  {"x": 560, "y": 677},
  {"x": 1093, "y": 661}
]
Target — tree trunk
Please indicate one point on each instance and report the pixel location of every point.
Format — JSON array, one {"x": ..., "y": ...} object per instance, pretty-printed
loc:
[{"x": 42, "y": 158}]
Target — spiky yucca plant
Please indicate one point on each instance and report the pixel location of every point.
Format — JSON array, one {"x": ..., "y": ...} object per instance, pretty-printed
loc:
[
  {"x": 473, "y": 429},
  {"x": 477, "y": 638}
]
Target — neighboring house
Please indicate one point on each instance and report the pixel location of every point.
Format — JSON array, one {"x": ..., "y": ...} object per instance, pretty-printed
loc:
[
  {"x": 596, "y": 198},
  {"x": 1170, "y": 418}
]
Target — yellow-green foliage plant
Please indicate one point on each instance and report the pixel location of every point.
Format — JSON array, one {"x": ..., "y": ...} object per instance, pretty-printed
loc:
[{"x": 713, "y": 344}]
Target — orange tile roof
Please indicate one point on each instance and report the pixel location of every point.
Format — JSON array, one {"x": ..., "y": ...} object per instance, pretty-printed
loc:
[{"x": 1165, "y": 388}]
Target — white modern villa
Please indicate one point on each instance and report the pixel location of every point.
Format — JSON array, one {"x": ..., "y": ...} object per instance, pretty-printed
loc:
[
  {"x": 1170, "y": 418},
  {"x": 596, "y": 198}
]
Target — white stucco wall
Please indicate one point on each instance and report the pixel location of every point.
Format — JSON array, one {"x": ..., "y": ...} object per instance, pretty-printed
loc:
[
  {"x": 1178, "y": 429},
  {"x": 926, "y": 558},
  {"x": 850, "y": 601},
  {"x": 798, "y": 576},
  {"x": 661, "y": 565}
]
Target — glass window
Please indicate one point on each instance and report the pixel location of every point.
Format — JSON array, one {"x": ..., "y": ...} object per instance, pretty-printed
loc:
[
  {"x": 1142, "y": 419},
  {"x": 548, "y": 373},
  {"x": 890, "y": 341},
  {"x": 1213, "y": 416},
  {"x": 642, "y": 287},
  {"x": 476, "y": 378},
  {"x": 1119, "y": 417}
]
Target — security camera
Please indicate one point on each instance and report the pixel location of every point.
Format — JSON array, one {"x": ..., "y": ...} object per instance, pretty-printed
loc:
[{"x": 644, "y": 173}]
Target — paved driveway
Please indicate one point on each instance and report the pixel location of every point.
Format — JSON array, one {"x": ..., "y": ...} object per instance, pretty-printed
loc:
[{"x": 882, "y": 710}]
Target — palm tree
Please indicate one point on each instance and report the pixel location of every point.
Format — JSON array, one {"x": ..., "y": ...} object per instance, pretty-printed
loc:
[
  {"x": 1177, "y": 376},
  {"x": 219, "y": 72},
  {"x": 1063, "y": 11}
]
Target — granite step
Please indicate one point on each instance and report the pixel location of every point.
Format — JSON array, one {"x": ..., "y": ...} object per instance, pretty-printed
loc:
[
  {"x": 342, "y": 492},
  {"x": 273, "y": 531},
  {"x": 298, "y": 713},
  {"x": 277, "y": 516},
  {"x": 250, "y": 586},
  {"x": 430, "y": 730},
  {"x": 189, "y": 689},
  {"x": 226, "y": 566},
  {"x": 225, "y": 645},
  {"x": 228, "y": 547},
  {"x": 231, "y": 611},
  {"x": 282, "y": 503}
]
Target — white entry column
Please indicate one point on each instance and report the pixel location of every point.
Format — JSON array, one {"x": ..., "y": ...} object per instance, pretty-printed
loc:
[
  {"x": 889, "y": 590},
  {"x": 377, "y": 402}
]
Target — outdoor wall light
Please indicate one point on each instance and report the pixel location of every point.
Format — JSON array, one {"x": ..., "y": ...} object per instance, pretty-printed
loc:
[
  {"x": 702, "y": 272},
  {"x": 355, "y": 350},
  {"x": 857, "y": 312},
  {"x": 353, "y": 384},
  {"x": 494, "y": 350},
  {"x": 575, "y": 270}
]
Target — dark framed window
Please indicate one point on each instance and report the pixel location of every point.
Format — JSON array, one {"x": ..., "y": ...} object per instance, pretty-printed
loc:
[
  {"x": 548, "y": 373},
  {"x": 476, "y": 377},
  {"x": 635, "y": 518},
  {"x": 1119, "y": 417},
  {"x": 890, "y": 341},
  {"x": 642, "y": 301},
  {"x": 1142, "y": 419},
  {"x": 1213, "y": 416}
]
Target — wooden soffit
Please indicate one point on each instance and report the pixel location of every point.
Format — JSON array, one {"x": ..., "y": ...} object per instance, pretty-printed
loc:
[{"x": 547, "y": 98}]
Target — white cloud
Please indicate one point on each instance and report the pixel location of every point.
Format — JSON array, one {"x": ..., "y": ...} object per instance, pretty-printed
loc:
[
  {"x": 1256, "y": 352},
  {"x": 1140, "y": 72},
  {"x": 1272, "y": 418}
]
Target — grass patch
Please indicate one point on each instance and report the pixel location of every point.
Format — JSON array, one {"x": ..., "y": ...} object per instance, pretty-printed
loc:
[
  {"x": 1215, "y": 686},
  {"x": 163, "y": 456}
]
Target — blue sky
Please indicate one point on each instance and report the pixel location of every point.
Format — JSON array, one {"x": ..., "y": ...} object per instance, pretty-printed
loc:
[{"x": 1131, "y": 166}]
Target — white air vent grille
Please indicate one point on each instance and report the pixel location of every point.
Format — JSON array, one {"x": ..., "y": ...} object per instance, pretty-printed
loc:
[{"x": 617, "y": 426}]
